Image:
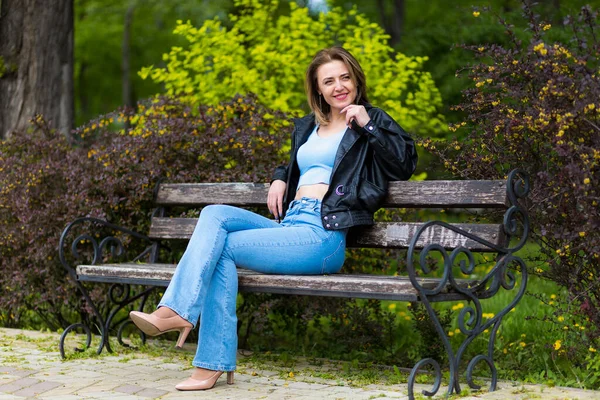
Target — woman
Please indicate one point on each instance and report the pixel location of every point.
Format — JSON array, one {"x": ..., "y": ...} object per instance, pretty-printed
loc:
[{"x": 342, "y": 157}]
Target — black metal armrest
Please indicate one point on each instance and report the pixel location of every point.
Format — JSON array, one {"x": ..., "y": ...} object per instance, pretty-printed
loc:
[{"x": 102, "y": 240}]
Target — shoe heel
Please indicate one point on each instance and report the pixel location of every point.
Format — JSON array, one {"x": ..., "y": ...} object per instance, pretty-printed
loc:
[
  {"x": 183, "y": 334},
  {"x": 230, "y": 377}
]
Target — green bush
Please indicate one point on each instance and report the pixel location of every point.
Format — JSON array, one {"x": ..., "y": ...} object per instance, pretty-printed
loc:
[
  {"x": 47, "y": 182},
  {"x": 534, "y": 105},
  {"x": 268, "y": 56}
]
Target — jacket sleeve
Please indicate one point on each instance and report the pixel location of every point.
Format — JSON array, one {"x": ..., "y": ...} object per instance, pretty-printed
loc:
[
  {"x": 280, "y": 173},
  {"x": 393, "y": 149}
]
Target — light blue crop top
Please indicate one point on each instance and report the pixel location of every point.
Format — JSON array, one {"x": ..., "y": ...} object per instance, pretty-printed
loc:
[{"x": 316, "y": 157}]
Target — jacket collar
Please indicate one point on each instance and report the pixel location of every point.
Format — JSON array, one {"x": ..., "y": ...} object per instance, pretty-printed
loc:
[{"x": 304, "y": 127}]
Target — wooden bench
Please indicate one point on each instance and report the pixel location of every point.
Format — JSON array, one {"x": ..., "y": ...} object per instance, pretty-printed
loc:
[{"x": 454, "y": 244}]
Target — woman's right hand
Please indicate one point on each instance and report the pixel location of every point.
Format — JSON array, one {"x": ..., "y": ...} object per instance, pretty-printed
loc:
[{"x": 275, "y": 198}]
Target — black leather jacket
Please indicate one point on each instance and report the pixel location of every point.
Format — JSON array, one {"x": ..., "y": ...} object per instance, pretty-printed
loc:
[{"x": 367, "y": 159}]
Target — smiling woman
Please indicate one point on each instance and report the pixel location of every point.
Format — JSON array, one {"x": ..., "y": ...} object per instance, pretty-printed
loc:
[
  {"x": 345, "y": 144},
  {"x": 336, "y": 88}
]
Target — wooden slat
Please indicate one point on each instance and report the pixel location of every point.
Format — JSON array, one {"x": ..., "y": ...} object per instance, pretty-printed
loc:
[
  {"x": 336, "y": 285},
  {"x": 447, "y": 194},
  {"x": 201, "y": 194},
  {"x": 422, "y": 194},
  {"x": 384, "y": 234}
]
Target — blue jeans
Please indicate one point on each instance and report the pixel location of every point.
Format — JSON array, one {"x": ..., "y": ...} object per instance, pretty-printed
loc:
[{"x": 205, "y": 282}]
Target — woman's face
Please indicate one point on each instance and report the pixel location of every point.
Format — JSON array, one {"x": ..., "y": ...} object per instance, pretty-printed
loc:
[{"x": 336, "y": 85}]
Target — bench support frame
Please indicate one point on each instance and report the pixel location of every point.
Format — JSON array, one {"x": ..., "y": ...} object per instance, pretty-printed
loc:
[
  {"x": 119, "y": 294},
  {"x": 470, "y": 318}
]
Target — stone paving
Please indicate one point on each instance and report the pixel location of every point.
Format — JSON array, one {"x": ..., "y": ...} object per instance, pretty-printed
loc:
[{"x": 31, "y": 368}]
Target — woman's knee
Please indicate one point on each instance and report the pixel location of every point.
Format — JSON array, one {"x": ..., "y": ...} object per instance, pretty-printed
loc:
[
  {"x": 211, "y": 216},
  {"x": 216, "y": 212}
]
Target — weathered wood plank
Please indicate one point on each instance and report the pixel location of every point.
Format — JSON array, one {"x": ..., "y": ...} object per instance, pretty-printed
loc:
[
  {"x": 422, "y": 194},
  {"x": 336, "y": 285},
  {"x": 395, "y": 235},
  {"x": 201, "y": 194}
]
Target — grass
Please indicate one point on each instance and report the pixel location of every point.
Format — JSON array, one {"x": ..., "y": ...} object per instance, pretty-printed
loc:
[{"x": 538, "y": 341}]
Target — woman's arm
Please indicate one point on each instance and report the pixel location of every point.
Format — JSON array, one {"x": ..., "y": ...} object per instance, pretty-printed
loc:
[
  {"x": 278, "y": 186},
  {"x": 394, "y": 150},
  {"x": 275, "y": 198}
]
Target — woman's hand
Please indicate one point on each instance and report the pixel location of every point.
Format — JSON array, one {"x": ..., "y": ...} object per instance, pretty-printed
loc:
[
  {"x": 275, "y": 198},
  {"x": 356, "y": 113}
]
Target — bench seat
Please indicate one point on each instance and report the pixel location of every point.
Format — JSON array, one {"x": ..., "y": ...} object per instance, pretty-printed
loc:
[{"x": 382, "y": 287}]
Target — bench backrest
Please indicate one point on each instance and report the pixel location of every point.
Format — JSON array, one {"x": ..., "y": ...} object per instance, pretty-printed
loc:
[{"x": 433, "y": 195}]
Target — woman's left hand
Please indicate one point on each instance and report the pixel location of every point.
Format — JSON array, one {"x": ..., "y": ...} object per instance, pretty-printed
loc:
[{"x": 357, "y": 113}]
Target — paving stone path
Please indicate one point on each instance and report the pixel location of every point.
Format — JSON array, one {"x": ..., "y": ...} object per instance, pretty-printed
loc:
[{"x": 31, "y": 368}]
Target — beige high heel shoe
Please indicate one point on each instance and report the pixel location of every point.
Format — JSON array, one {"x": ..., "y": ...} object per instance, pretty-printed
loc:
[
  {"x": 204, "y": 384},
  {"x": 153, "y": 326}
]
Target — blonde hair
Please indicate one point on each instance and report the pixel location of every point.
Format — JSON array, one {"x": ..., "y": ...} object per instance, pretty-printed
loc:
[{"x": 316, "y": 103}]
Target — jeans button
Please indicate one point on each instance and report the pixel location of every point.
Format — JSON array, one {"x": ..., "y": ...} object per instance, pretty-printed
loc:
[
  {"x": 328, "y": 226},
  {"x": 325, "y": 218},
  {"x": 334, "y": 217},
  {"x": 336, "y": 224}
]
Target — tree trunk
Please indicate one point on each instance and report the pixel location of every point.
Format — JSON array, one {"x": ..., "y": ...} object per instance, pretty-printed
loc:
[
  {"x": 37, "y": 54},
  {"x": 392, "y": 18},
  {"x": 398, "y": 21},
  {"x": 125, "y": 60}
]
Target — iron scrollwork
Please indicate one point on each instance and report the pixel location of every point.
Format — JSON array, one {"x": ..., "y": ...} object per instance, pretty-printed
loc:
[
  {"x": 101, "y": 246},
  {"x": 470, "y": 319}
]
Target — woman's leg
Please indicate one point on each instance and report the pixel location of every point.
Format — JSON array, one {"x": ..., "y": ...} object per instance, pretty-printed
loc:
[
  {"x": 189, "y": 285},
  {"x": 301, "y": 247},
  {"x": 217, "y": 339}
]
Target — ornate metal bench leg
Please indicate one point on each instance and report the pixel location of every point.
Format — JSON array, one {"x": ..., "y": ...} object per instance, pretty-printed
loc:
[
  {"x": 122, "y": 299},
  {"x": 453, "y": 385},
  {"x": 129, "y": 321},
  {"x": 72, "y": 327},
  {"x": 61, "y": 343},
  {"x": 96, "y": 249},
  {"x": 415, "y": 371}
]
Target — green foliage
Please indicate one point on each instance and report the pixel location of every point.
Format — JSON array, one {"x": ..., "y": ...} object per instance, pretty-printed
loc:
[
  {"x": 534, "y": 105},
  {"x": 434, "y": 28},
  {"x": 268, "y": 56},
  {"x": 429, "y": 344},
  {"x": 46, "y": 182},
  {"x": 98, "y": 53},
  {"x": 352, "y": 330},
  {"x": 593, "y": 368},
  {"x": 542, "y": 340}
]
